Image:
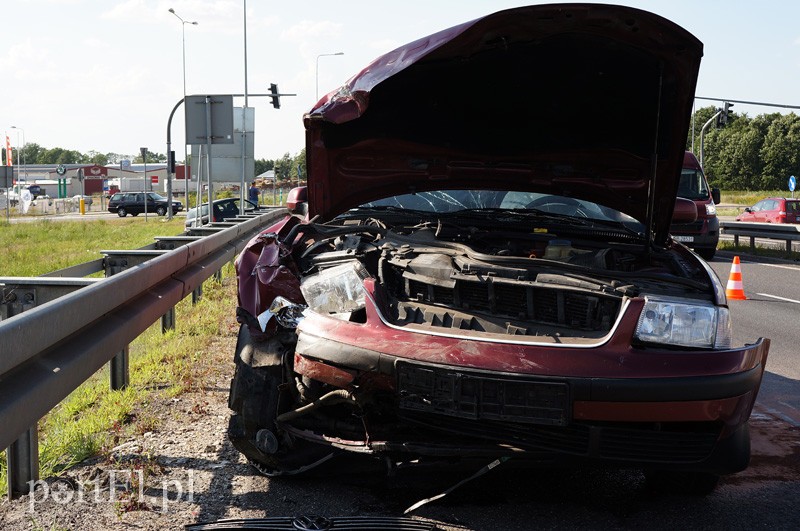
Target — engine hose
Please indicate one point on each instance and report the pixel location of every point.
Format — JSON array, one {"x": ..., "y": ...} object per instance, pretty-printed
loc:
[{"x": 334, "y": 397}]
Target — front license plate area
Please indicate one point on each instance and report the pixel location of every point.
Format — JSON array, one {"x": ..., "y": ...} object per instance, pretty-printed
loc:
[
  {"x": 481, "y": 395},
  {"x": 683, "y": 239}
]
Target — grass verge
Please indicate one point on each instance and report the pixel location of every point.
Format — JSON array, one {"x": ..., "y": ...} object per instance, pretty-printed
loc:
[
  {"x": 42, "y": 246},
  {"x": 759, "y": 251}
]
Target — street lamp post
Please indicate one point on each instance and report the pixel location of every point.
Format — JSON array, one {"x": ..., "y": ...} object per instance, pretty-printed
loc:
[
  {"x": 185, "y": 150},
  {"x": 317, "y": 73},
  {"x": 20, "y": 149}
]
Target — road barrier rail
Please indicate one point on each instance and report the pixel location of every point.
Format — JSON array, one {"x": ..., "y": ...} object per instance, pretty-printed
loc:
[
  {"x": 787, "y": 232},
  {"x": 58, "y": 329}
]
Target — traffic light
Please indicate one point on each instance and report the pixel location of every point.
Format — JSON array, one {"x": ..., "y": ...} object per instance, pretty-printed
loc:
[
  {"x": 276, "y": 98},
  {"x": 723, "y": 118}
]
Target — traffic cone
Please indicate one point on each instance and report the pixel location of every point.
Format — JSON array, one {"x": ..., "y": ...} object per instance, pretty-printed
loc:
[{"x": 734, "y": 290}]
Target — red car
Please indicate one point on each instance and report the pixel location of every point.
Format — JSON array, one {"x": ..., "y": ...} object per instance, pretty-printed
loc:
[
  {"x": 772, "y": 210},
  {"x": 485, "y": 268}
]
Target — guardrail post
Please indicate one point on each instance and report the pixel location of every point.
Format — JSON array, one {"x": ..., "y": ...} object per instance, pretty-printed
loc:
[
  {"x": 197, "y": 294},
  {"x": 22, "y": 458},
  {"x": 168, "y": 321},
  {"x": 119, "y": 370}
]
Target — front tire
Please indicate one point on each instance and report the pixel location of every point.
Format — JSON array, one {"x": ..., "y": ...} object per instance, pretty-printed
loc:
[
  {"x": 121, "y": 212},
  {"x": 256, "y": 399},
  {"x": 707, "y": 254},
  {"x": 161, "y": 211}
]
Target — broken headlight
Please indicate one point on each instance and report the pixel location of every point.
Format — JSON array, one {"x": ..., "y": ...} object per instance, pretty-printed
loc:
[
  {"x": 684, "y": 323},
  {"x": 337, "y": 291}
]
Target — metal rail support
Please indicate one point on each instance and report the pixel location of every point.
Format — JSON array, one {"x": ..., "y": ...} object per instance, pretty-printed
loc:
[
  {"x": 22, "y": 458},
  {"x": 168, "y": 321},
  {"x": 120, "y": 370}
]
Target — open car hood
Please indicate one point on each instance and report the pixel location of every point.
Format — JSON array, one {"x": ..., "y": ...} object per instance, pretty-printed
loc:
[{"x": 587, "y": 101}]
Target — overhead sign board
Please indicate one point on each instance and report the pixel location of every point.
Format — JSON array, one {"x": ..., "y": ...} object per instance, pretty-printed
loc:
[{"x": 209, "y": 119}]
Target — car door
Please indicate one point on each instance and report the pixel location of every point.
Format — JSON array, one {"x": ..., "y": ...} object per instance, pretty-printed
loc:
[
  {"x": 768, "y": 212},
  {"x": 757, "y": 211},
  {"x": 137, "y": 203}
]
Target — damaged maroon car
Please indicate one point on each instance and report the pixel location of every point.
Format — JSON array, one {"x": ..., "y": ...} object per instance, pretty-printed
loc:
[{"x": 483, "y": 266}]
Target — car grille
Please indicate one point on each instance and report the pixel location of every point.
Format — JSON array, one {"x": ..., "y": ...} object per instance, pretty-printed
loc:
[
  {"x": 607, "y": 442},
  {"x": 683, "y": 228},
  {"x": 480, "y": 396},
  {"x": 534, "y": 413},
  {"x": 562, "y": 307}
]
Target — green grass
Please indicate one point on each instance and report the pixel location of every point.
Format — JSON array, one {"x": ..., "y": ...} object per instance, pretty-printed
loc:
[
  {"x": 748, "y": 198},
  {"x": 38, "y": 247},
  {"x": 93, "y": 419}
]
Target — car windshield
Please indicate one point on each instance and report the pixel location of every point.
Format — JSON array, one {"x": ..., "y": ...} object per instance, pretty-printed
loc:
[
  {"x": 693, "y": 185},
  {"x": 156, "y": 197},
  {"x": 464, "y": 201}
]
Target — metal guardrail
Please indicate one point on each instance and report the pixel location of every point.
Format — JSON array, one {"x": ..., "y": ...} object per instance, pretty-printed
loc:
[
  {"x": 787, "y": 232},
  {"x": 59, "y": 329}
]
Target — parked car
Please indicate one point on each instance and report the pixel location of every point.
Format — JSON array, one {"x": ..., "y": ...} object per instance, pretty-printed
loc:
[
  {"x": 772, "y": 210},
  {"x": 702, "y": 234},
  {"x": 490, "y": 274},
  {"x": 133, "y": 203},
  {"x": 222, "y": 209}
]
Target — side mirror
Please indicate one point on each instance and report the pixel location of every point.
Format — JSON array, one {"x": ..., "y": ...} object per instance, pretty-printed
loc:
[
  {"x": 715, "y": 195},
  {"x": 297, "y": 200},
  {"x": 748, "y": 209},
  {"x": 685, "y": 211}
]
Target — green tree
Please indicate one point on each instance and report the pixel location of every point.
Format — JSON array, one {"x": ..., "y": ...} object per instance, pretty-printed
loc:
[
  {"x": 263, "y": 165},
  {"x": 59, "y": 156},
  {"x": 30, "y": 152},
  {"x": 299, "y": 163},
  {"x": 781, "y": 152},
  {"x": 94, "y": 157},
  {"x": 284, "y": 168},
  {"x": 151, "y": 157}
]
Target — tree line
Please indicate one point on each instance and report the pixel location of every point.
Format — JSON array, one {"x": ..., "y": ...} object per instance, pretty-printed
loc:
[
  {"x": 288, "y": 167},
  {"x": 752, "y": 154}
]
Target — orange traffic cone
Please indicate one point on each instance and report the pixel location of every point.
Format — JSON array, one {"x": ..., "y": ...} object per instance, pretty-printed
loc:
[{"x": 734, "y": 290}]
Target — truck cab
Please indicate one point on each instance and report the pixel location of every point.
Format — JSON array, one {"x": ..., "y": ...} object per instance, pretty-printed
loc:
[{"x": 702, "y": 235}]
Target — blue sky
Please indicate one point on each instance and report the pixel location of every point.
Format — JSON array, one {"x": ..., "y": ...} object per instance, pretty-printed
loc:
[{"x": 104, "y": 75}]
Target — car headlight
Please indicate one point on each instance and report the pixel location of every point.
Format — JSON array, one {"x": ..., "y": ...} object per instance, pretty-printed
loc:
[
  {"x": 337, "y": 291},
  {"x": 711, "y": 209},
  {"x": 684, "y": 323}
]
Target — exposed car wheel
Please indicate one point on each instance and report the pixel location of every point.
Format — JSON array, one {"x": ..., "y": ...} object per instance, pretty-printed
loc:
[
  {"x": 121, "y": 212},
  {"x": 161, "y": 211},
  {"x": 256, "y": 397},
  {"x": 134, "y": 214},
  {"x": 682, "y": 483},
  {"x": 707, "y": 254}
]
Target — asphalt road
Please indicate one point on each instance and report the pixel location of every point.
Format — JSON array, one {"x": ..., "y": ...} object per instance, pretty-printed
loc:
[{"x": 772, "y": 310}]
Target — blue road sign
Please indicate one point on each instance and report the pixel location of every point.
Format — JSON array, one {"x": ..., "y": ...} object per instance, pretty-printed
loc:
[{"x": 792, "y": 183}]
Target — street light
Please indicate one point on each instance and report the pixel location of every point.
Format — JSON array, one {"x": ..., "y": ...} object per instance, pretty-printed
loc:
[
  {"x": 317, "y": 74},
  {"x": 19, "y": 149},
  {"x": 185, "y": 145}
]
